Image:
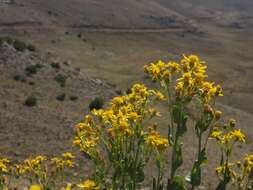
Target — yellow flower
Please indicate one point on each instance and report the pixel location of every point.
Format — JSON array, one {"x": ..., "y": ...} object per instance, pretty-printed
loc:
[
  {"x": 217, "y": 114},
  {"x": 88, "y": 185},
  {"x": 35, "y": 187},
  {"x": 159, "y": 95},
  {"x": 118, "y": 101},
  {"x": 155, "y": 140},
  {"x": 216, "y": 134},
  {"x": 3, "y": 165},
  {"x": 238, "y": 135},
  {"x": 68, "y": 155},
  {"x": 174, "y": 67},
  {"x": 199, "y": 78}
]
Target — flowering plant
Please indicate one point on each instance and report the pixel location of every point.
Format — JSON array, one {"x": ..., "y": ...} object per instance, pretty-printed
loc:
[{"x": 123, "y": 139}]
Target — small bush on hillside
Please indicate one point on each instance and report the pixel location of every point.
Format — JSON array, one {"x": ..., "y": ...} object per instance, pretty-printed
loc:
[
  {"x": 119, "y": 92},
  {"x": 128, "y": 91},
  {"x": 30, "y": 101},
  {"x": 1, "y": 41},
  {"x": 55, "y": 65},
  {"x": 17, "y": 77},
  {"x": 97, "y": 103},
  {"x": 8, "y": 40},
  {"x": 73, "y": 98},
  {"x": 61, "y": 79},
  {"x": 79, "y": 35},
  {"x": 19, "y": 45},
  {"x": 31, "y": 47},
  {"x": 31, "y": 83},
  {"x": 61, "y": 97},
  {"x": 32, "y": 69}
]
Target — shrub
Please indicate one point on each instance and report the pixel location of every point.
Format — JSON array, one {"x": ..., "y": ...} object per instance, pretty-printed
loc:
[
  {"x": 119, "y": 92},
  {"x": 31, "y": 83},
  {"x": 31, "y": 47},
  {"x": 32, "y": 69},
  {"x": 61, "y": 79},
  {"x": 79, "y": 35},
  {"x": 30, "y": 101},
  {"x": 61, "y": 97},
  {"x": 128, "y": 91},
  {"x": 17, "y": 77},
  {"x": 96, "y": 103},
  {"x": 1, "y": 41},
  {"x": 55, "y": 65},
  {"x": 19, "y": 45},
  {"x": 73, "y": 98},
  {"x": 8, "y": 40}
]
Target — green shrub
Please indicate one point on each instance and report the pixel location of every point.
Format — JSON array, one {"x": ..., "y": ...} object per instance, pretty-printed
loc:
[
  {"x": 61, "y": 79},
  {"x": 19, "y": 45},
  {"x": 30, "y": 101},
  {"x": 32, "y": 69},
  {"x": 8, "y": 40},
  {"x": 55, "y": 65},
  {"x": 31, "y": 83},
  {"x": 61, "y": 97},
  {"x": 31, "y": 47},
  {"x": 17, "y": 77},
  {"x": 96, "y": 103},
  {"x": 73, "y": 98},
  {"x": 1, "y": 41}
]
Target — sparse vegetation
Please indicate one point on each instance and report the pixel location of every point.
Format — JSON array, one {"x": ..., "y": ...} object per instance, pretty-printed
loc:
[
  {"x": 32, "y": 69},
  {"x": 19, "y": 78},
  {"x": 121, "y": 140},
  {"x": 96, "y": 103},
  {"x": 55, "y": 65},
  {"x": 61, "y": 97},
  {"x": 31, "y": 47},
  {"x": 30, "y": 101},
  {"x": 73, "y": 98},
  {"x": 19, "y": 45},
  {"x": 61, "y": 79}
]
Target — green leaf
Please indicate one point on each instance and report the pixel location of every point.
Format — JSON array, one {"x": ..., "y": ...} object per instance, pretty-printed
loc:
[
  {"x": 202, "y": 157},
  {"x": 222, "y": 186},
  {"x": 177, "y": 159},
  {"x": 140, "y": 176},
  {"x": 154, "y": 184},
  {"x": 196, "y": 174},
  {"x": 176, "y": 184},
  {"x": 180, "y": 118}
]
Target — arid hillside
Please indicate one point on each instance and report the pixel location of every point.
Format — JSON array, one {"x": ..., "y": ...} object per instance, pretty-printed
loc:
[{"x": 101, "y": 47}]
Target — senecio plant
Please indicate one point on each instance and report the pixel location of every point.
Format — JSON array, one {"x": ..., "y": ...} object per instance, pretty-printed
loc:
[{"x": 123, "y": 139}]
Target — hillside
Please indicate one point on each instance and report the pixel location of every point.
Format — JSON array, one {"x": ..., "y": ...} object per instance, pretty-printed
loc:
[
  {"x": 46, "y": 127},
  {"x": 101, "y": 47}
]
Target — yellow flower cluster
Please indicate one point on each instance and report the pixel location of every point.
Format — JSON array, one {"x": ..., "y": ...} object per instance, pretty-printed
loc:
[
  {"x": 190, "y": 74},
  {"x": 248, "y": 163},
  {"x": 35, "y": 187},
  {"x": 88, "y": 185},
  {"x": 119, "y": 119},
  {"x": 230, "y": 137},
  {"x": 4, "y": 165},
  {"x": 228, "y": 168},
  {"x": 155, "y": 140},
  {"x": 43, "y": 170}
]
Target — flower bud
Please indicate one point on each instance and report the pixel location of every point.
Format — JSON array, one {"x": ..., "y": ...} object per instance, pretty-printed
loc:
[{"x": 217, "y": 114}]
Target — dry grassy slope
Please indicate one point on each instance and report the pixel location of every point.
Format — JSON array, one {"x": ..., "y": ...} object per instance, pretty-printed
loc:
[
  {"x": 119, "y": 57},
  {"x": 111, "y": 13},
  {"x": 48, "y": 127}
]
